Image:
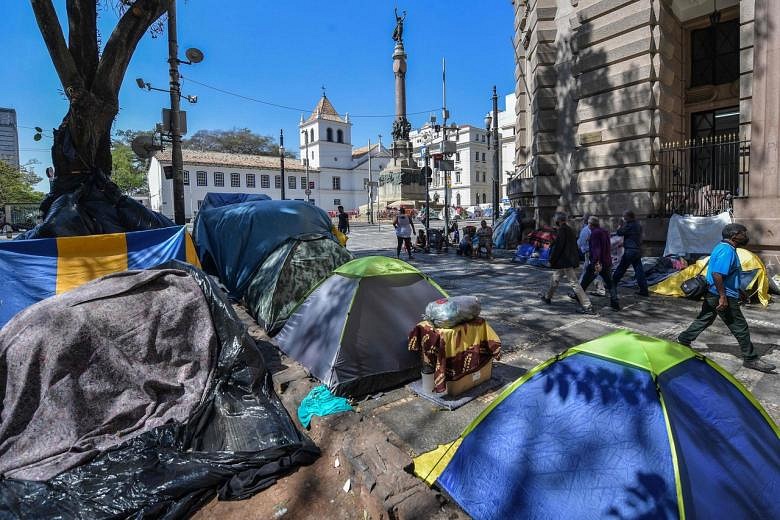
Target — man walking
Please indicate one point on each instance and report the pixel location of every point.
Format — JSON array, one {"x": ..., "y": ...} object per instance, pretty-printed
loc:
[
  {"x": 343, "y": 221},
  {"x": 722, "y": 299},
  {"x": 564, "y": 257},
  {"x": 631, "y": 232},
  {"x": 583, "y": 242},
  {"x": 599, "y": 261}
]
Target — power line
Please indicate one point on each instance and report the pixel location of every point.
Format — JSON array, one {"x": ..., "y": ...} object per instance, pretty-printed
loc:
[{"x": 277, "y": 105}]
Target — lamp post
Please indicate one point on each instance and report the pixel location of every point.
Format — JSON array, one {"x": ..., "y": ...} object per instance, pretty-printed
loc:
[
  {"x": 281, "y": 158},
  {"x": 493, "y": 129},
  {"x": 193, "y": 56}
]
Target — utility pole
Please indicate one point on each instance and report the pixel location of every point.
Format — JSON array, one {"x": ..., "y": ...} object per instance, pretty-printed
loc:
[
  {"x": 496, "y": 158},
  {"x": 370, "y": 187},
  {"x": 305, "y": 161},
  {"x": 176, "y": 156},
  {"x": 281, "y": 158}
]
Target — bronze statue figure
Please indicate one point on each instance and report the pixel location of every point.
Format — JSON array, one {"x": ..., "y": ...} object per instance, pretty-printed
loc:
[{"x": 398, "y": 32}]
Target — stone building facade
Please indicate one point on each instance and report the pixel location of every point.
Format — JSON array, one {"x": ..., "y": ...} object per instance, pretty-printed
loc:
[{"x": 619, "y": 103}]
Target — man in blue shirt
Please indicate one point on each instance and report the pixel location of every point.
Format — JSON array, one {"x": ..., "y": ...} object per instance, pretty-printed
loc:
[{"x": 723, "y": 276}]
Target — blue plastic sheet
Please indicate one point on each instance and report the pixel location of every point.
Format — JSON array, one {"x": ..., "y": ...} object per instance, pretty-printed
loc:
[
  {"x": 234, "y": 240},
  {"x": 217, "y": 200}
]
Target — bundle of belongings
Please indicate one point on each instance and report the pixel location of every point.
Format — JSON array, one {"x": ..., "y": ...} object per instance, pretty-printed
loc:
[
  {"x": 138, "y": 394},
  {"x": 537, "y": 250},
  {"x": 508, "y": 231},
  {"x": 754, "y": 281},
  {"x": 657, "y": 269},
  {"x": 456, "y": 344}
]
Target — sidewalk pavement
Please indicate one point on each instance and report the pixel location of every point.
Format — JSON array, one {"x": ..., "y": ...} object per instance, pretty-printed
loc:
[{"x": 376, "y": 443}]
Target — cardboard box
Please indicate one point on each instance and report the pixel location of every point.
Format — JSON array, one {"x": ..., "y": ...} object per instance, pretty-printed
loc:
[{"x": 469, "y": 381}]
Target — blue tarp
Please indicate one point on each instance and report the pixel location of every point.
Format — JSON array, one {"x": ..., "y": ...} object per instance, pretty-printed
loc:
[
  {"x": 217, "y": 200},
  {"x": 507, "y": 232},
  {"x": 33, "y": 270},
  {"x": 234, "y": 240}
]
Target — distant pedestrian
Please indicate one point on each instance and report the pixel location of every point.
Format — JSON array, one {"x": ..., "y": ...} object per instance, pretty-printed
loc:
[
  {"x": 722, "y": 298},
  {"x": 404, "y": 229},
  {"x": 343, "y": 220},
  {"x": 631, "y": 232},
  {"x": 583, "y": 242},
  {"x": 564, "y": 258},
  {"x": 599, "y": 261}
]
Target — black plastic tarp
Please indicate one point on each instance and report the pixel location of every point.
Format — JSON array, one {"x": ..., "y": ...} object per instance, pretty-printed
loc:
[
  {"x": 237, "y": 441},
  {"x": 91, "y": 205}
]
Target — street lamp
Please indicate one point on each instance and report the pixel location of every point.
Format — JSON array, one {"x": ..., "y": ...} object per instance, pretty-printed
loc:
[
  {"x": 193, "y": 56},
  {"x": 281, "y": 157},
  {"x": 491, "y": 126}
]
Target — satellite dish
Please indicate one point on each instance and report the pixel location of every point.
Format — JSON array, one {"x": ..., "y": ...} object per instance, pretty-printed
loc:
[
  {"x": 194, "y": 55},
  {"x": 144, "y": 146}
]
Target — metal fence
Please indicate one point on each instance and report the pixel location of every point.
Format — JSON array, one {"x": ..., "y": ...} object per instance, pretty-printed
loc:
[
  {"x": 21, "y": 216},
  {"x": 702, "y": 176}
]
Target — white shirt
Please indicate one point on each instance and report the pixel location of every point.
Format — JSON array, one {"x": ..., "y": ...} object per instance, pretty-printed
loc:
[{"x": 404, "y": 226}]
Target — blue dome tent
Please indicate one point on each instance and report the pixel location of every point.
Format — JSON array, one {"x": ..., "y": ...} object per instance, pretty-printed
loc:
[{"x": 623, "y": 426}]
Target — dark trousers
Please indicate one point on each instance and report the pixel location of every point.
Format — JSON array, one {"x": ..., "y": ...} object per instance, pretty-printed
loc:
[
  {"x": 405, "y": 241},
  {"x": 731, "y": 316},
  {"x": 590, "y": 274},
  {"x": 633, "y": 258}
]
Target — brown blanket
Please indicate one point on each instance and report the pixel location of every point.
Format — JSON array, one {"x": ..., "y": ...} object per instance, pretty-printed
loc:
[{"x": 83, "y": 379}]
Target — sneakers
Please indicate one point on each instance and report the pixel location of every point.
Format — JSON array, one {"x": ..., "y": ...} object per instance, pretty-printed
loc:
[
  {"x": 615, "y": 305},
  {"x": 545, "y": 299},
  {"x": 757, "y": 364},
  {"x": 573, "y": 296},
  {"x": 588, "y": 310}
]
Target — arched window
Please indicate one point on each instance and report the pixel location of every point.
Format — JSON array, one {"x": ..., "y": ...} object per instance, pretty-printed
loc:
[
  {"x": 329, "y": 135},
  {"x": 484, "y": 198},
  {"x": 339, "y": 136},
  {"x": 311, "y": 136}
]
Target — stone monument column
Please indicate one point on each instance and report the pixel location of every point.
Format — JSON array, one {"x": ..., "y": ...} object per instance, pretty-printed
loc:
[{"x": 401, "y": 180}]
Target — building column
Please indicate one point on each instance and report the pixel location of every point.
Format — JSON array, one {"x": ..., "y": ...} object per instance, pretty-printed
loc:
[{"x": 759, "y": 210}]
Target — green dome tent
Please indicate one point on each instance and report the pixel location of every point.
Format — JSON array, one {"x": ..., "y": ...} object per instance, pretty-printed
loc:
[
  {"x": 351, "y": 332},
  {"x": 288, "y": 274}
]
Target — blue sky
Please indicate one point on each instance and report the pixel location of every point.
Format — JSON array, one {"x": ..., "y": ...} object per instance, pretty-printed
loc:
[{"x": 281, "y": 52}]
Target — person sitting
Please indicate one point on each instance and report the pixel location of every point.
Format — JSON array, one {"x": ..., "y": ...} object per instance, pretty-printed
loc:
[
  {"x": 465, "y": 246},
  {"x": 485, "y": 236},
  {"x": 421, "y": 243}
]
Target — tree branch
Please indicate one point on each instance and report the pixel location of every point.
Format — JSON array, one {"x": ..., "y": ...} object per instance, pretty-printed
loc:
[
  {"x": 49, "y": 25},
  {"x": 122, "y": 43},
  {"x": 82, "y": 37}
]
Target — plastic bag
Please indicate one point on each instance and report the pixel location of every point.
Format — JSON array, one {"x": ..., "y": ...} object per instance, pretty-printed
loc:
[{"x": 448, "y": 312}]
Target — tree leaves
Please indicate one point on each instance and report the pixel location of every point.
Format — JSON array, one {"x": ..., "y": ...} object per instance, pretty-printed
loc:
[
  {"x": 237, "y": 140},
  {"x": 14, "y": 186}
]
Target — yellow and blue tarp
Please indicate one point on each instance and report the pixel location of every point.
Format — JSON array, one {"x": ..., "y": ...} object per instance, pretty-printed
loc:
[
  {"x": 754, "y": 279},
  {"x": 624, "y": 426},
  {"x": 32, "y": 270}
]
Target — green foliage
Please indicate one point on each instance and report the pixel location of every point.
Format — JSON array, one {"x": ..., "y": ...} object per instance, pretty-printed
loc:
[
  {"x": 237, "y": 140},
  {"x": 15, "y": 186},
  {"x": 128, "y": 172}
]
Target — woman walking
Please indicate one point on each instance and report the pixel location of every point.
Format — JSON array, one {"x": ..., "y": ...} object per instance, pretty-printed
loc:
[{"x": 404, "y": 229}]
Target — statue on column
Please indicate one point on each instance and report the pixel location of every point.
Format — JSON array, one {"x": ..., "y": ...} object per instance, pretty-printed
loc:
[{"x": 398, "y": 32}]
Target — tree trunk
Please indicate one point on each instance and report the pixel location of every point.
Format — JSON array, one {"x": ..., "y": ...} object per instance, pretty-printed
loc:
[{"x": 83, "y": 140}]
